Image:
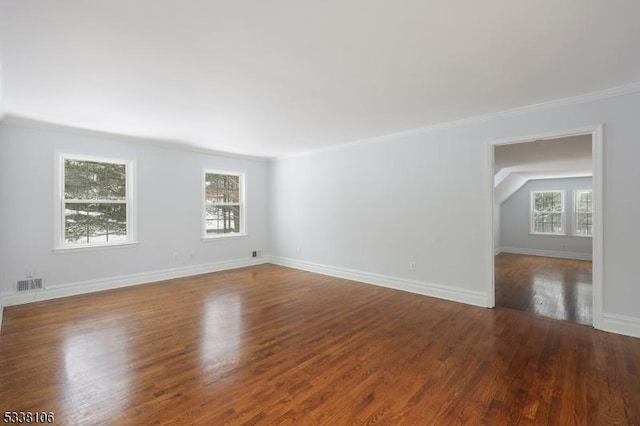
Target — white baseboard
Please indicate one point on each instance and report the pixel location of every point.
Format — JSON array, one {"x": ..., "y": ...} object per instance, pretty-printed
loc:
[
  {"x": 613, "y": 323},
  {"x": 547, "y": 253},
  {"x": 413, "y": 286},
  {"x": 619, "y": 324},
  {"x": 90, "y": 286},
  {"x": 498, "y": 250}
]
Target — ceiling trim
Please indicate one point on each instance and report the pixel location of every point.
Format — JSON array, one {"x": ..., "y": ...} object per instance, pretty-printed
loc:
[
  {"x": 542, "y": 106},
  {"x": 16, "y": 121}
]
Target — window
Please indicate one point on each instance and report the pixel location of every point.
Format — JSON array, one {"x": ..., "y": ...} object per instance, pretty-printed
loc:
[
  {"x": 224, "y": 214},
  {"x": 583, "y": 212},
  {"x": 95, "y": 202},
  {"x": 547, "y": 212}
]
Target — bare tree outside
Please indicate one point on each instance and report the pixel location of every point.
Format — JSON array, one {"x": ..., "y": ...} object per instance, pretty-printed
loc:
[
  {"x": 222, "y": 203},
  {"x": 95, "y": 201}
]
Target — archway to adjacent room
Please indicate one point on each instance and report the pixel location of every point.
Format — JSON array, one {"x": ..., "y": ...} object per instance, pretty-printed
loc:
[{"x": 544, "y": 208}]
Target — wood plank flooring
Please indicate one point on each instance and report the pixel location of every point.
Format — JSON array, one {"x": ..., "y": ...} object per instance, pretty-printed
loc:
[
  {"x": 272, "y": 345},
  {"x": 546, "y": 286}
]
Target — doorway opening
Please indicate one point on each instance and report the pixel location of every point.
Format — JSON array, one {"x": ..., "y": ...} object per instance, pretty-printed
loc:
[{"x": 545, "y": 212}]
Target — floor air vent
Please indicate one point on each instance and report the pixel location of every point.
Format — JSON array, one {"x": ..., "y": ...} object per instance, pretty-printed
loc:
[{"x": 29, "y": 284}]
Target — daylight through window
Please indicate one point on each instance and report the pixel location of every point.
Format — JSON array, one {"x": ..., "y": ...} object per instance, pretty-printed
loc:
[
  {"x": 583, "y": 212},
  {"x": 223, "y": 204},
  {"x": 547, "y": 212},
  {"x": 95, "y": 202}
]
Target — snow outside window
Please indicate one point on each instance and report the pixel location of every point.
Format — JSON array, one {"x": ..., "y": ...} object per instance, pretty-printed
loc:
[
  {"x": 96, "y": 199},
  {"x": 223, "y": 204},
  {"x": 583, "y": 225},
  {"x": 547, "y": 212}
]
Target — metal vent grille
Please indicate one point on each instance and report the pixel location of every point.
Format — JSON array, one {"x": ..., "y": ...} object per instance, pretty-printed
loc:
[{"x": 29, "y": 284}]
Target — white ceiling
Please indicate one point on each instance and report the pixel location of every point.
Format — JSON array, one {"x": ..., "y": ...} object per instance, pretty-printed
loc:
[{"x": 272, "y": 78}]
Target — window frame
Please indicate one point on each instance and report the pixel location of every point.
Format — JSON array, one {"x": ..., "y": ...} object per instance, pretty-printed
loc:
[
  {"x": 242, "y": 204},
  {"x": 60, "y": 245},
  {"x": 574, "y": 232},
  {"x": 563, "y": 216}
]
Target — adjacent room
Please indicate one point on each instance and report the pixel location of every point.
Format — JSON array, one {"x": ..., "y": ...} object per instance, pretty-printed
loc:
[
  {"x": 543, "y": 226},
  {"x": 332, "y": 213}
]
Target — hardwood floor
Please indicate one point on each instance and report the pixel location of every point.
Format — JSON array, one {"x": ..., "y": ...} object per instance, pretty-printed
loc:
[
  {"x": 546, "y": 286},
  {"x": 271, "y": 345}
]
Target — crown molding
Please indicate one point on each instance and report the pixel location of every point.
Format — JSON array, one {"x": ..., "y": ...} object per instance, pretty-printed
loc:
[
  {"x": 527, "y": 109},
  {"x": 18, "y": 121}
]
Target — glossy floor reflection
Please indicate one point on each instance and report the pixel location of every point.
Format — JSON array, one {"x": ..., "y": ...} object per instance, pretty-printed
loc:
[
  {"x": 270, "y": 345},
  {"x": 221, "y": 328},
  {"x": 554, "y": 288},
  {"x": 96, "y": 366}
]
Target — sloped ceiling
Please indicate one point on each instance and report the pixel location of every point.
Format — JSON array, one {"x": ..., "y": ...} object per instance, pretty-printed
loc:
[
  {"x": 516, "y": 164},
  {"x": 279, "y": 77}
]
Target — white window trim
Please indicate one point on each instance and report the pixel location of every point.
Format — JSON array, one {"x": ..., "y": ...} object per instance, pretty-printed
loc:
[
  {"x": 563, "y": 215},
  {"x": 243, "y": 206},
  {"x": 575, "y": 214},
  {"x": 59, "y": 245}
]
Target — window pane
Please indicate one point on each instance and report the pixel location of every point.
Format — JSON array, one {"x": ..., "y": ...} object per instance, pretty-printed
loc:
[
  {"x": 555, "y": 222},
  {"x": 584, "y": 209},
  {"x": 583, "y": 223},
  {"x": 92, "y": 180},
  {"x": 548, "y": 202},
  {"x": 222, "y": 219},
  {"x": 221, "y": 188},
  {"x": 87, "y": 223},
  {"x": 581, "y": 219},
  {"x": 548, "y": 212},
  {"x": 583, "y": 201}
]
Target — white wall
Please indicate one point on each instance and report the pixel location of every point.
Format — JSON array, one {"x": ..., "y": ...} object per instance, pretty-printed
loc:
[
  {"x": 169, "y": 195},
  {"x": 376, "y": 207},
  {"x": 514, "y": 223},
  {"x": 364, "y": 211},
  {"x": 371, "y": 207}
]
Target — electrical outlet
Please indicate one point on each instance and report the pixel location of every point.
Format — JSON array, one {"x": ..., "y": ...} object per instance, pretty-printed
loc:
[
  {"x": 176, "y": 255},
  {"x": 412, "y": 265},
  {"x": 254, "y": 253}
]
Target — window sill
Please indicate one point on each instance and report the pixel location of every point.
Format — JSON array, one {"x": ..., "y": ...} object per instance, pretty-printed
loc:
[
  {"x": 582, "y": 236},
  {"x": 63, "y": 250},
  {"x": 223, "y": 237},
  {"x": 548, "y": 235}
]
